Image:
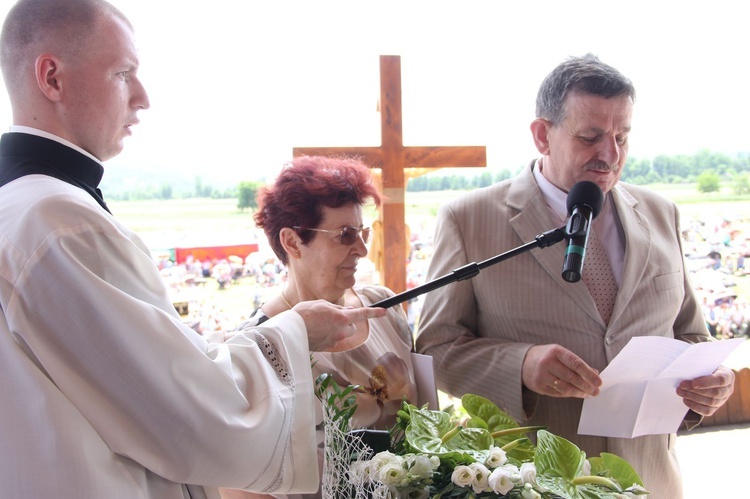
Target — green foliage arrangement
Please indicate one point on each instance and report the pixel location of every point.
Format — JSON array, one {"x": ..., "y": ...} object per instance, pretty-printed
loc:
[{"x": 487, "y": 455}]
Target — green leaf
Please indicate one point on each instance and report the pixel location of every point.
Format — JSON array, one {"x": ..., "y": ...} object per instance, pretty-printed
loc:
[
  {"x": 559, "y": 464},
  {"x": 495, "y": 420},
  {"x": 562, "y": 488},
  {"x": 486, "y": 410},
  {"x": 616, "y": 468},
  {"x": 349, "y": 389},
  {"x": 558, "y": 456},
  {"x": 426, "y": 431},
  {"x": 476, "y": 423}
]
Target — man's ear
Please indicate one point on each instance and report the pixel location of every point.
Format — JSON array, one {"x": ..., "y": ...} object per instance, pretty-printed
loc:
[
  {"x": 290, "y": 241},
  {"x": 47, "y": 71},
  {"x": 540, "y": 129}
]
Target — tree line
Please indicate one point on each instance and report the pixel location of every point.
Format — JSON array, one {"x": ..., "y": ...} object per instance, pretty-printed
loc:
[
  {"x": 710, "y": 171},
  {"x": 119, "y": 187}
]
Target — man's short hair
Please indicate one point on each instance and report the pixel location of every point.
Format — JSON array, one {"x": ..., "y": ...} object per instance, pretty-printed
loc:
[{"x": 585, "y": 74}]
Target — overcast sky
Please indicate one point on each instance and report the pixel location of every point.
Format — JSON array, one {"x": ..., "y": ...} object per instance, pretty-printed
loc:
[{"x": 234, "y": 85}]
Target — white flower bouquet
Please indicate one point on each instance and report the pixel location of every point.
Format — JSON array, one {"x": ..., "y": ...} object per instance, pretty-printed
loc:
[{"x": 479, "y": 453}]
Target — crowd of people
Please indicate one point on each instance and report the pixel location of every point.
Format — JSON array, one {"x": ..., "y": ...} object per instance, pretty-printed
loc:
[
  {"x": 193, "y": 285},
  {"x": 715, "y": 253}
]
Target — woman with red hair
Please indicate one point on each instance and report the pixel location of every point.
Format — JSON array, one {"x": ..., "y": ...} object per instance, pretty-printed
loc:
[{"x": 312, "y": 216}]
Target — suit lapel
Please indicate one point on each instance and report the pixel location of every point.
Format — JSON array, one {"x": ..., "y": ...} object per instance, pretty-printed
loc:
[
  {"x": 535, "y": 218},
  {"x": 638, "y": 243}
]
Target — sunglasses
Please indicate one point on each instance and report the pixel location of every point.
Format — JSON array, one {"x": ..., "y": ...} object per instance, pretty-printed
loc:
[{"x": 348, "y": 235}]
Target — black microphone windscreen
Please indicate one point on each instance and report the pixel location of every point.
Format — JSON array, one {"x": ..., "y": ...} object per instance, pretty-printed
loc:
[{"x": 585, "y": 193}]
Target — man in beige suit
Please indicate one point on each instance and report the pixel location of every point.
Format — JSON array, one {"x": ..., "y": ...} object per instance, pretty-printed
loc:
[{"x": 521, "y": 335}]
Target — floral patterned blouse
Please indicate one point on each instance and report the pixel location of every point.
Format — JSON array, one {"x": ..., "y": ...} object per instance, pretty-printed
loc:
[{"x": 381, "y": 365}]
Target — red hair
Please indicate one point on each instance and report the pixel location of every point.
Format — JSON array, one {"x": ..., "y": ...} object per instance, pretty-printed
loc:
[{"x": 303, "y": 187}]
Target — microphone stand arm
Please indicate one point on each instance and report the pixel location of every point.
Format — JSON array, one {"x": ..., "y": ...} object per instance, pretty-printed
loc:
[{"x": 472, "y": 269}]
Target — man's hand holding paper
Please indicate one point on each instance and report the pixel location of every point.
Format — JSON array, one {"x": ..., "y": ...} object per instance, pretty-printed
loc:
[
  {"x": 706, "y": 394},
  {"x": 649, "y": 387}
]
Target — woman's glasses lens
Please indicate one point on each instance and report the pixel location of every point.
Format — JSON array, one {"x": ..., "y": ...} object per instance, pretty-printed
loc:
[{"x": 349, "y": 235}]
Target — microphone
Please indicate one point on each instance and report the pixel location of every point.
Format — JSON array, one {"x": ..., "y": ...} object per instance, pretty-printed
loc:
[{"x": 584, "y": 203}]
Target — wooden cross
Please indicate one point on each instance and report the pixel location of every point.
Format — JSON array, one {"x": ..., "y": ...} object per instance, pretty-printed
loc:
[{"x": 393, "y": 158}]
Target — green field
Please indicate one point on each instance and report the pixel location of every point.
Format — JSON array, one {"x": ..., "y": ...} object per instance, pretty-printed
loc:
[
  {"x": 186, "y": 222},
  {"x": 222, "y": 216}
]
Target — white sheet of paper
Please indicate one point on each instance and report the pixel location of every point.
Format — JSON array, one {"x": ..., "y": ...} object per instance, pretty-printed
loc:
[
  {"x": 424, "y": 377},
  {"x": 638, "y": 393}
]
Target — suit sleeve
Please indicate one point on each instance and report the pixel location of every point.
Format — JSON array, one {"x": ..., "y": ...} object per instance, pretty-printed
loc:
[{"x": 690, "y": 324}]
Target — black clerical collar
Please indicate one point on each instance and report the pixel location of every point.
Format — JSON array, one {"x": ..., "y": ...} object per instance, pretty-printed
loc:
[{"x": 24, "y": 154}]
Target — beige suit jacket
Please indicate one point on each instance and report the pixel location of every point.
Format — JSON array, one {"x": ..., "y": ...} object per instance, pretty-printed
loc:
[{"x": 479, "y": 330}]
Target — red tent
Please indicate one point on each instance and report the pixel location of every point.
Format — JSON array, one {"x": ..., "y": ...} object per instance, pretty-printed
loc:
[{"x": 211, "y": 253}]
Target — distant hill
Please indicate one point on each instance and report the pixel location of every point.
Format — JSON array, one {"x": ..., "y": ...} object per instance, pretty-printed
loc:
[{"x": 122, "y": 182}]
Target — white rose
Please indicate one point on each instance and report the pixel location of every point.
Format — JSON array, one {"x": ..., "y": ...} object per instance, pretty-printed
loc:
[
  {"x": 515, "y": 473},
  {"x": 392, "y": 474},
  {"x": 383, "y": 458},
  {"x": 360, "y": 471},
  {"x": 481, "y": 475},
  {"x": 500, "y": 480},
  {"x": 496, "y": 457},
  {"x": 421, "y": 467},
  {"x": 528, "y": 473},
  {"x": 463, "y": 476}
]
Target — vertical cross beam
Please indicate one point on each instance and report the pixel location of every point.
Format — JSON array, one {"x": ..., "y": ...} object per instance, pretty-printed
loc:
[
  {"x": 392, "y": 173},
  {"x": 393, "y": 159}
]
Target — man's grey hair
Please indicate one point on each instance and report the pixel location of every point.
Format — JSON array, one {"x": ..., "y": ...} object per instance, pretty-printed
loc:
[{"x": 585, "y": 74}]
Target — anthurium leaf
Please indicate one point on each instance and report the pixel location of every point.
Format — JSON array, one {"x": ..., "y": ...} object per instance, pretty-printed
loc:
[
  {"x": 433, "y": 432},
  {"x": 560, "y": 487},
  {"x": 559, "y": 464},
  {"x": 557, "y": 456},
  {"x": 476, "y": 423},
  {"x": 484, "y": 409},
  {"x": 495, "y": 419},
  {"x": 615, "y": 467},
  {"x": 473, "y": 441}
]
